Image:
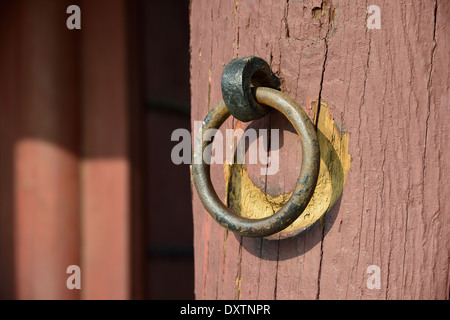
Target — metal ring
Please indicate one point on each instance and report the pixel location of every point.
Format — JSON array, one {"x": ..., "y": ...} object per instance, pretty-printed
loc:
[{"x": 303, "y": 190}]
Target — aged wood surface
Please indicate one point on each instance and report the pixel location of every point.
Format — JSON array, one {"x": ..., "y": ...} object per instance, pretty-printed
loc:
[{"x": 388, "y": 89}]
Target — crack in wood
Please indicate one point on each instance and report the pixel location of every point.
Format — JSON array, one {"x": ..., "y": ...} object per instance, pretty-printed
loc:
[
  {"x": 239, "y": 277},
  {"x": 285, "y": 20},
  {"x": 316, "y": 123}
]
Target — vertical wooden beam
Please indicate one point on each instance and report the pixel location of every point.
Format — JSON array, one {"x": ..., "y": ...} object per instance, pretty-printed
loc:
[
  {"x": 138, "y": 181},
  {"x": 40, "y": 83},
  {"x": 41, "y": 193},
  {"x": 388, "y": 90},
  {"x": 105, "y": 168},
  {"x": 8, "y": 99}
]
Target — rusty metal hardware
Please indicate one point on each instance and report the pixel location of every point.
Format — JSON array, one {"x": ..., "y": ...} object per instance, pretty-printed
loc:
[
  {"x": 264, "y": 97},
  {"x": 237, "y": 78}
]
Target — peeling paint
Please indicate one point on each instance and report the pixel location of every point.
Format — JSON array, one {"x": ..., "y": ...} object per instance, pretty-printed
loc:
[{"x": 249, "y": 201}]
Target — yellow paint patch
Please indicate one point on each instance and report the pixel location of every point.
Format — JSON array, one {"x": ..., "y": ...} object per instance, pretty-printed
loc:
[
  {"x": 237, "y": 282},
  {"x": 249, "y": 201}
]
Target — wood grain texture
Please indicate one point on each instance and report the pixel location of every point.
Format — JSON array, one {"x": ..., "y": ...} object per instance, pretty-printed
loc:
[{"x": 389, "y": 89}]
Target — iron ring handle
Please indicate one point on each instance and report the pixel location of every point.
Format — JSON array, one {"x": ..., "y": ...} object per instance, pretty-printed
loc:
[{"x": 305, "y": 185}]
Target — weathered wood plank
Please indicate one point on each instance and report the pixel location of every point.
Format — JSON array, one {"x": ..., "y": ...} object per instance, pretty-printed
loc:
[{"x": 388, "y": 89}]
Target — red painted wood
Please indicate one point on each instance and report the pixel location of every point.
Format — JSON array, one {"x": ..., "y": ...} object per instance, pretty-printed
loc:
[
  {"x": 39, "y": 154},
  {"x": 66, "y": 149},
  {"x": 105, "y": 169},
  {"x": 8, "y": 99},
  {"x": 389, "y": 89}
]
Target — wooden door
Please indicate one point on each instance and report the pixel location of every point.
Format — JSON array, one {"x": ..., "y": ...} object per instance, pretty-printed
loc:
[{"x": 375, "y": 81}]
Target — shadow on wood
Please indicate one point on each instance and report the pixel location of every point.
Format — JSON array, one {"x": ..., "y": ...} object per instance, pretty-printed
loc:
[{"x": 248, "y": 200}]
